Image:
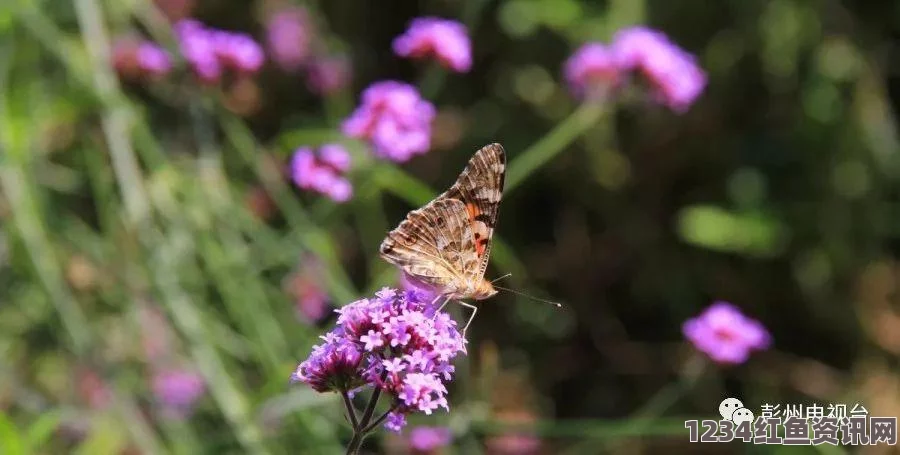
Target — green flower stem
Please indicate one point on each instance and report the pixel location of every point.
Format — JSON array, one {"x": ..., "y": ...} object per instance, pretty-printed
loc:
[{"x": 351, "y": 413}]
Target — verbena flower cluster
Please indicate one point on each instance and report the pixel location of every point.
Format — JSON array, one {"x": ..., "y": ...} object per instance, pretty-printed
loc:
[
  {"x": 673, "y": 74},
  {"x": 724, "y": 334},
  {"x": 322, "y": 171},
  {"x": 394, "y": 119},
  {"x": 394, "y": 342},
  {"x": 446, "y": 40},
  {"x": 210, "y": 52},
  {"x": 293, "y": 45}
]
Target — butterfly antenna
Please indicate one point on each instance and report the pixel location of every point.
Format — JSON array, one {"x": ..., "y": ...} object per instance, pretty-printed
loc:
[
  {"x": 557, "y": 304},
  {"x": 502, "y": 277}
]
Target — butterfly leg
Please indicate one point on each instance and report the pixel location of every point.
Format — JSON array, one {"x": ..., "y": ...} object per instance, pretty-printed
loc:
[
  {"x": 442, "y": 305},
  {"x": 474, "y": 310}
]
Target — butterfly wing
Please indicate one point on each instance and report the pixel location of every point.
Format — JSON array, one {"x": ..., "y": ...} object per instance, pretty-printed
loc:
[
  {"x": 480, "y": 188},
  {"x": 434, "y": 244}
]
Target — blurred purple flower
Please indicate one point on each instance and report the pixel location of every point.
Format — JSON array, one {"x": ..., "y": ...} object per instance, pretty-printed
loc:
[
  {"x": 394, "y": 119},
  {"x": 288, "y": 38},
  {"x": 335, "y": 156},
  {"x": 208, "y": 51},
  {"x": 591, "y": 71},
  {"x": 326, "y": 75},
  {"x": 305, "y": 285},
  {"x": 239, "y": 51},
  {"x": 177, "y": 390},
  {"x": 446, "y": 40},
  {"x": 725, "y": 334},
  {"x": 429, "y": 439},
  {"x": 153, "y": 58},
  {"x": 136, "y": 59},
  {"x": 199, "y": 49},
  {"x": 323, "y": 173},
  {"x": 513, "y": 444},
  {"x": 674, "y": 74},
  {"x": 393, "y": 342}
]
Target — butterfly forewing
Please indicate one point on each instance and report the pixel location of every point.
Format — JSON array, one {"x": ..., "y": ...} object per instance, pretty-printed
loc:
[
  {"x": 449, "y": 239},
  {"x": 433, "y": 244},
  {"x": 480, "y": 187}
]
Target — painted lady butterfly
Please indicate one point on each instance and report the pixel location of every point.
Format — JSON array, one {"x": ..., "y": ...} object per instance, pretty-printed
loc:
[{"x": 445, "y": 245}]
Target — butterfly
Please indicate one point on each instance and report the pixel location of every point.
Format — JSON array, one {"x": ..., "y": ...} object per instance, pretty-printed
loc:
[{"x": 446, "y": 244}]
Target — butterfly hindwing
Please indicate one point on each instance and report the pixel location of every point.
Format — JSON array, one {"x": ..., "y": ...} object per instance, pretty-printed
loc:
[
  {"x": 434, "y": 244},
  {"x": 480, "y": 188}
]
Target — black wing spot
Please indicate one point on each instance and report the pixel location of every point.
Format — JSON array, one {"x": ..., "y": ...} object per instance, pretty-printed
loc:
[
  {"x": 477, "y": 235},
  {"x": 484, "y": 218},
  {"x": 440, "y": 221}
]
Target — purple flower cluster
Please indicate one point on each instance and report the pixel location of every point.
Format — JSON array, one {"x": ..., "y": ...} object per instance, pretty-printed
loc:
[
  {"x": 323, "y": 171},
  {"x": 446, "y": 40},
  {"x": 210, "y": 52},
  {"x": 393, "y": 342},
  {"x": 139, "y": 58},
  {"x": 289, "y": 37},
  {"x": 673, "y": 74},
  {"x": 394, "y": 119},
  {"x": 725, "y": 334}
]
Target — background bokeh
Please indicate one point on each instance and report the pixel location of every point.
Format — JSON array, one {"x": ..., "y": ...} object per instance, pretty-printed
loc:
[{"x": 161, "y": 276}]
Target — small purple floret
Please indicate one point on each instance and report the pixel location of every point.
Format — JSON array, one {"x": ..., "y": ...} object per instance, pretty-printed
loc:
[{"x": 725, "y": 334}]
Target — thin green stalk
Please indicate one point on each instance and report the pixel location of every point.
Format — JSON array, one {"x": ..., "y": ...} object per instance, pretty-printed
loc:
[
  {"x": 644, "y": 417},
  {"x": 114, "y": 120},
  {"x": 553, "y": 143},
  {"x": 128, "y": 176},
  {"x": 314, "y": 238},
  {"x": 187, "y": 318},
  {"x": 351, "y": 412},
  {"x": 27, "y": 219}
]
